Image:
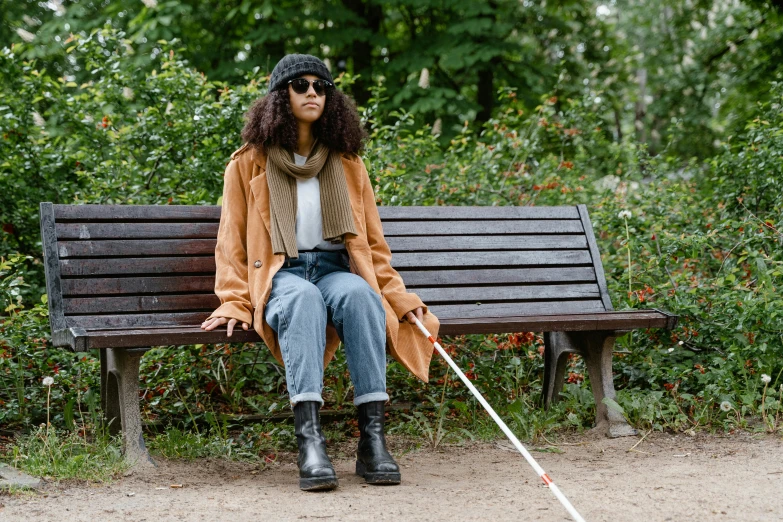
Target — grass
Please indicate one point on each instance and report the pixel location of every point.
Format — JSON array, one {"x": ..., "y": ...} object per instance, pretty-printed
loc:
[
  {"x": 175, "y": 443},
  {"x": 62, "y": 455}
]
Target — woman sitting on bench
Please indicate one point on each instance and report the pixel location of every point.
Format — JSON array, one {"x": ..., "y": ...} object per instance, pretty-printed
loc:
[{"x": 304, "y": 250}]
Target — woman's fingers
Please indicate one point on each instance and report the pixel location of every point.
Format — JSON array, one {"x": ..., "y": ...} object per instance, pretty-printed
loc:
[
  {"x": 211, "y": 324},
  {"x": 412, "y": 318}
]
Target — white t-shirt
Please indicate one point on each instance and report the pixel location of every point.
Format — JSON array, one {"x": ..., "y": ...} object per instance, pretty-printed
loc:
[{"x": 309, "y": 228}]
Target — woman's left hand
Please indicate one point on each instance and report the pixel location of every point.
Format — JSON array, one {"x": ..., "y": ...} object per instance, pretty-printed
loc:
[{"x": 419, "y": 314}]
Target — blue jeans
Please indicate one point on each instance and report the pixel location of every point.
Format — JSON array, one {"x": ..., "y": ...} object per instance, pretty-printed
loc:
[{"x": 311, "y": 290}]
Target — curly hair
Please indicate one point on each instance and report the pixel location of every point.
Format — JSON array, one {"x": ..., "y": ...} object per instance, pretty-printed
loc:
[{"x": 270, "y": 121}]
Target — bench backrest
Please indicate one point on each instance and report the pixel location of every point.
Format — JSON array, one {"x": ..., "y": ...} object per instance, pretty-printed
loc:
[{"x": 137, "y": 266}]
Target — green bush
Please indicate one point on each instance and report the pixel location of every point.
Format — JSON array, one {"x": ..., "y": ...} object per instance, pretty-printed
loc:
[{"x": 702, "y": 240}]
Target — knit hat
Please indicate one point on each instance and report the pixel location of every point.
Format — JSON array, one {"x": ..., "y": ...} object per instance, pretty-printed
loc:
[{"x": 295, "y": 65}]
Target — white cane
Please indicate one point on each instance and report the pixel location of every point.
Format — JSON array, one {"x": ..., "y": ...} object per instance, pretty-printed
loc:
[{"x": 541, "y": 473}]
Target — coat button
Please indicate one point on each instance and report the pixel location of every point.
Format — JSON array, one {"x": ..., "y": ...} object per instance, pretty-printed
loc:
[{"x": 257, "y": 264}]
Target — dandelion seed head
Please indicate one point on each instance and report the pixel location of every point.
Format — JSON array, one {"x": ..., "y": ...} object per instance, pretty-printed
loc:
[
  {"x": 48, "y": 381},
  {"x": 681, "y": 343},
  {"x": 671, "y": 350},
  {"x": 624, "y": 214},
  {"x": 725, "y": 406},
  {"x": 766, "y": 379},
  {"x": 150, "y": 3},
  {"x": 127, "y": 93}
]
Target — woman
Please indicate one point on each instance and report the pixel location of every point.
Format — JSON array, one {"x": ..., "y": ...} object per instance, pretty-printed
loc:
[{"x": 301, "y": 255}]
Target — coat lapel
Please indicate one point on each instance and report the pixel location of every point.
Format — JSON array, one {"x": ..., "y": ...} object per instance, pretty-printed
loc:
[{"x": 260, "y": 189}]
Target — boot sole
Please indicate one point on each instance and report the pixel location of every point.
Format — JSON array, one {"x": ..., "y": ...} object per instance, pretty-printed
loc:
[
  {"x": 377, "y": 477},
  {"x": 317, "y": 483}
]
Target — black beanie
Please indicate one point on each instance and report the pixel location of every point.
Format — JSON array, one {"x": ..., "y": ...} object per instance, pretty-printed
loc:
[{"x": 295, "y": 65}]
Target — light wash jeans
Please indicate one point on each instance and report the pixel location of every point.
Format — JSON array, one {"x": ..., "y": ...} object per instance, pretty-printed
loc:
[{"x": 311, "y": 290}]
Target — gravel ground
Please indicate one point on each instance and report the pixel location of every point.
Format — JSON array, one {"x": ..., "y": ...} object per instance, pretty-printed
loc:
[{"x": 664, "y": 477}]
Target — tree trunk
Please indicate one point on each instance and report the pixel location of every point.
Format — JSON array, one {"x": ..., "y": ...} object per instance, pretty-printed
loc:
[
  {"x": 361, "y": 50},
  {"x": 486, "y": 93}
]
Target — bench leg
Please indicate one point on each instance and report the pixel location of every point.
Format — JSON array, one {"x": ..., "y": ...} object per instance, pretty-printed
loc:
[
  {"x": 557, "y": 346},
  {"x": 597, "y": 352},
  {"x": 110, "y": 395},
  {"x": 120, "y": 395}
]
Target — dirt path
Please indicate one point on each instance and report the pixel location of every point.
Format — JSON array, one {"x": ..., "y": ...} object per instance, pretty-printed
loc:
[{"x": 665, "y": 478}]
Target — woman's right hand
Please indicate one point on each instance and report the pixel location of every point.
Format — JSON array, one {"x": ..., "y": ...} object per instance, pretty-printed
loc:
[{"x": 211, "y": 324}]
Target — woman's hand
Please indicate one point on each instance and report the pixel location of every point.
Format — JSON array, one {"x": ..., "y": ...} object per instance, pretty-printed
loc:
[
  {"x": 213, "y": 323},
  {"x": 419, "y": 314}
]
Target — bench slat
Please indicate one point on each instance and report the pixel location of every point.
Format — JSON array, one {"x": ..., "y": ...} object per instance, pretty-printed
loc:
[
  {"x": 202, "y": 264},
  {"x": 130, "y": 247},
  {"x": 407, "y": 213},
  {"x": 461, "y": 243},
  {"x": 516, "y": 309},
  {"x": 442, "y": 311},
  {"x": 136, "y": 265},
  {"x": 393, "y": 228},
  {"x": 136, "y": 230},
  {"x": 483, "y": 228},
  {"x": 471, "y": 276},
  {"x": 136, "y": 320},
  {"x": 539, "y": 293},
  {"x": 193, "y": 334},
  {"x": 141, "y": 303},
  {"x": 137, "y": 285},
  {"x": 529, "y": 258},
  {"x": 136, "y": 212},
  {"x": 550, "y": 323},
  {"x": 211, "y": 212}
]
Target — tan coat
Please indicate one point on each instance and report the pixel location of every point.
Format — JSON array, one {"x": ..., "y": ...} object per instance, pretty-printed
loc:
[{"x": 246, "y": 264}]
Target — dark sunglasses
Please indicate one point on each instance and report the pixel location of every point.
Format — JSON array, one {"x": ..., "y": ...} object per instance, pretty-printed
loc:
[{"x": 302, "y": 85}]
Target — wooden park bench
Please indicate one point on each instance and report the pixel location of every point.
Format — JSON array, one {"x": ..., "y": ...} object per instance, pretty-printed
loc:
[{"x": 124, "y": 278}]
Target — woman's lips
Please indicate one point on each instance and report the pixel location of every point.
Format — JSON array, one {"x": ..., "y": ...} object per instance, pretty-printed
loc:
[{"x": 311, "y": 105}]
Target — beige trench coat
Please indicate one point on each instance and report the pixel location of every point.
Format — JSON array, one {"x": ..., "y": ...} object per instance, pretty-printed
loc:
[{"x": 245, "y": 263}]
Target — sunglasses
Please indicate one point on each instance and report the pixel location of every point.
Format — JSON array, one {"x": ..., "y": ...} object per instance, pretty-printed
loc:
[{"x": 302, "y": 85}]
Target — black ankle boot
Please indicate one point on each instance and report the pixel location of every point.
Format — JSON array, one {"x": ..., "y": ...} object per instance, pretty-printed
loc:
[
  {"x": 315, "y": 468},
  {"x": 373, "y": 461}
]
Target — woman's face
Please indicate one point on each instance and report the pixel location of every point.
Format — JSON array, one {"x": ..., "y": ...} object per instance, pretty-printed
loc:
[{"x": 307, "y": 107}]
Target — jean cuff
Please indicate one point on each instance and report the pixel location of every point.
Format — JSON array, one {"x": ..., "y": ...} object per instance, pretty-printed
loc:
[
  {"x": 371, "y": 397},
  {"x": 311, "y": 396}
]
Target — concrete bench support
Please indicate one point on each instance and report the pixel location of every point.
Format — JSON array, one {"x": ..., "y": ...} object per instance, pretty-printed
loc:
[
  {"x": 596, "y": 349},
  {"x": 120, "y": 400}
]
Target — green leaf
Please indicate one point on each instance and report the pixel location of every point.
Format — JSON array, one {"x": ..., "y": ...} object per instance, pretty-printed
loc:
[{"x": 612, "y": 405}]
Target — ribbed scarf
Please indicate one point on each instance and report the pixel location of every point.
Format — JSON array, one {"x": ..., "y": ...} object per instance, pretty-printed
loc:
[{"x": 282, "y": 173}]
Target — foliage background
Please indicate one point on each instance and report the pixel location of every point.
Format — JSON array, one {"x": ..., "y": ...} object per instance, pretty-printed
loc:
[{"x": 671, "y": 115}]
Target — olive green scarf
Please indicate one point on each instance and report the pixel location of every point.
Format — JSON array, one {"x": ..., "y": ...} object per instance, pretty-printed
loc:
[{"x": 282, "y": 173}]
